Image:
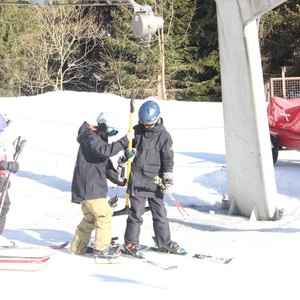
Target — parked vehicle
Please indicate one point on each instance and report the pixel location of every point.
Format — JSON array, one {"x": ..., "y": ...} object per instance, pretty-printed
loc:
[{"x": 284, "y": 124}]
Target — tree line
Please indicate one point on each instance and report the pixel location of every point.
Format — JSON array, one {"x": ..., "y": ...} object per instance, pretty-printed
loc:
[{"x": 94, "y": 49}]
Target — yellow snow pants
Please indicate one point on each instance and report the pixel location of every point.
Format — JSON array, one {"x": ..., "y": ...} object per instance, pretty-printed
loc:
[{"x": 97, "y": 215}]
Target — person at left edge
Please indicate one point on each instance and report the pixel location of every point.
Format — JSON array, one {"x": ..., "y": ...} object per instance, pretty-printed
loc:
[
  {"x": 6, "y": 165},
  {"x": 89, "y": 184}
]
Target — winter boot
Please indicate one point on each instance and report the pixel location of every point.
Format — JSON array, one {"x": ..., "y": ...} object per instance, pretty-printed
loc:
[
  {"x": 133, "y": 250},
  {"x": 173, "y": 247},
  {"x": 111, "y": 252},
  {"x": 89, "y": 250}
]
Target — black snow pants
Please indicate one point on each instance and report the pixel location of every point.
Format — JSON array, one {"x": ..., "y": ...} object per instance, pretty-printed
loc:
[{"x": 159, "y": 217}]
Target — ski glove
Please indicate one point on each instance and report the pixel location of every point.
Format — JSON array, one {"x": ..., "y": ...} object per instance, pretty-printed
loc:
[
  {"x": 130, "y": 153},
  {"x": 12, "y": 166},
  {"x": 122, "y": 182},
  {"x": 167, "y": 180}
]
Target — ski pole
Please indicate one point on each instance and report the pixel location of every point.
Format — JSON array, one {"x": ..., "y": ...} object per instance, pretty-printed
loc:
[
  {"x": 125, "y": 210},
  {"x": 130, "y": 143},
  {"x": 179, "y": 206},
  {"x": 159, "y": 182},
  {"x": 18, "y": 149}
]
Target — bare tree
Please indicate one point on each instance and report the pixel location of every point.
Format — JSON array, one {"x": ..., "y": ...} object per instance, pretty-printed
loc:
[{"x": 57, "y": 45}]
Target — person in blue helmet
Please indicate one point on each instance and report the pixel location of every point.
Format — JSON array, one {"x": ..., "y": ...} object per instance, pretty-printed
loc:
[
  {"x": 153, "y": 156},
  {"x": 5, "y": 166}
]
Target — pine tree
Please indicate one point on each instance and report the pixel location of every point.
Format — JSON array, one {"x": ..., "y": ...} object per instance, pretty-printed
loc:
[
  {"x": 279, "y": 38},
  {"x": 13, "y": 22}
]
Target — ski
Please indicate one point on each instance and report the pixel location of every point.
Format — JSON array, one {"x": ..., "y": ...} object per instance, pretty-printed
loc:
[
  {"x": 147, "y": 261},
  {"x": 21, "y": 267},
  {"x": 105, "y": 261},
  {"x": 16, "y": 259},
  {"x": 26, "y": 254},
  {"x": 54, "y": 246},
  {"x": 24, "y": 260},
  {"x": 118, "y": 260},
  {"x": 34, "y": 246},
  {"x": 221, "y": 260},
  {"x": 150, "y": 262}
]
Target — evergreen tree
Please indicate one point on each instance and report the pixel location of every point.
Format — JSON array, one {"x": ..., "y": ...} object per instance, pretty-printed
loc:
[
  {"x": 280, "y": 37},
  {"x": 13, "y": 23},
  {"x": 181, "y": 62},
  {"x": 198, "y": 75}
]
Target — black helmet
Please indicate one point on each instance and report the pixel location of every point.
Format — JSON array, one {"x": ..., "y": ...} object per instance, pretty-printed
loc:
[{"x": 149, "y": 113}]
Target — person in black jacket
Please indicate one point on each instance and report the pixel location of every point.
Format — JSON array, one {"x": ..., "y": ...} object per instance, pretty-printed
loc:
[
  {"x": 89, "y": 185},
  {"x": 153, "y": 157}
]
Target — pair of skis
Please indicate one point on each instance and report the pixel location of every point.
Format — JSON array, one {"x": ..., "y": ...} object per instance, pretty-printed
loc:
[
  {"x": 221, "y": 260},
  {"x": 216, "y": 259},
  {"x": 31, "y": 257},
  {"x": 27, "y": 257}
]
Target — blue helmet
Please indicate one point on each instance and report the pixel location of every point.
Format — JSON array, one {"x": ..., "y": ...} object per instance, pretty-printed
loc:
[
  {"x": 2, "y": 123},
  {"x": 149, "y": 113}
]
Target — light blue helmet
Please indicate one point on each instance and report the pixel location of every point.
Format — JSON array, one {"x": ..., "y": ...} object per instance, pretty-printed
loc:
[
  {"x": 3, "y": 123},
  {"x": 149, "y": 113}
]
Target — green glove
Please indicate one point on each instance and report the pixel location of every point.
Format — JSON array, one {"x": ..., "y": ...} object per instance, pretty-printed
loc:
[{"x": 130, "y": 153}]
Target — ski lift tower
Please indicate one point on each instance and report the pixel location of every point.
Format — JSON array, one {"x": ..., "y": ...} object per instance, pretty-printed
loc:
[{"x": 250, "y": 171}]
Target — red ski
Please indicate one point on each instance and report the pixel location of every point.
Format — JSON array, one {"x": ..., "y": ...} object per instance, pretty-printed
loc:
[{"x": 16, "y": 259}]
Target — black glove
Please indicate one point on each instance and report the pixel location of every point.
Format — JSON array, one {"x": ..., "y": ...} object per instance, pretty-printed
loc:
[
  {"x": 123, "y": 182},
  {"x": 12, "y": 166}
]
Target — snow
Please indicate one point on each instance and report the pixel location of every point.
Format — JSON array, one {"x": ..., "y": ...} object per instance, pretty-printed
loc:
[{"x": 266, "y": 254}]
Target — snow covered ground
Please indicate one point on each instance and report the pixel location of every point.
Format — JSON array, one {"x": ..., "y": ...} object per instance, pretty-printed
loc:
[{"x": 266, "y": 260}]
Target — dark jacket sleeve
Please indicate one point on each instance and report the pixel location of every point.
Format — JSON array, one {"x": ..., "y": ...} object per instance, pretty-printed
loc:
[
  {"x": 112, "y": 173},
  {"x": 95, "y": 146},
  {"x": 167, "y": 154},
  {"x": 103, "y": 149}
]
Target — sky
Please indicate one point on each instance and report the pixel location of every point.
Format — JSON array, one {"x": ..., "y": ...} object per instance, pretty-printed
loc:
[{"x": 265, "y": 254}]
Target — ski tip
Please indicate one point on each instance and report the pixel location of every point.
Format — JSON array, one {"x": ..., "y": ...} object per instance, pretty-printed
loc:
[
  {"x": 171, "y": 268},
  {"x": 60, "y": 246},
  {"x": 221, "y": 260},
  {"x": 228, "y": 260}
]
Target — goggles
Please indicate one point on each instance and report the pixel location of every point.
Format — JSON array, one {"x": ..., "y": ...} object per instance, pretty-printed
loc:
[
  {"x": 112, "y": 131},
  {"x": 149, "y": 124}
]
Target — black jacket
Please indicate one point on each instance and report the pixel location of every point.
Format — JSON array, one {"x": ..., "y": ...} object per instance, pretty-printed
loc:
[
  {"x": 154, "y": 156},
  {"x": 93, "y": 166}
]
